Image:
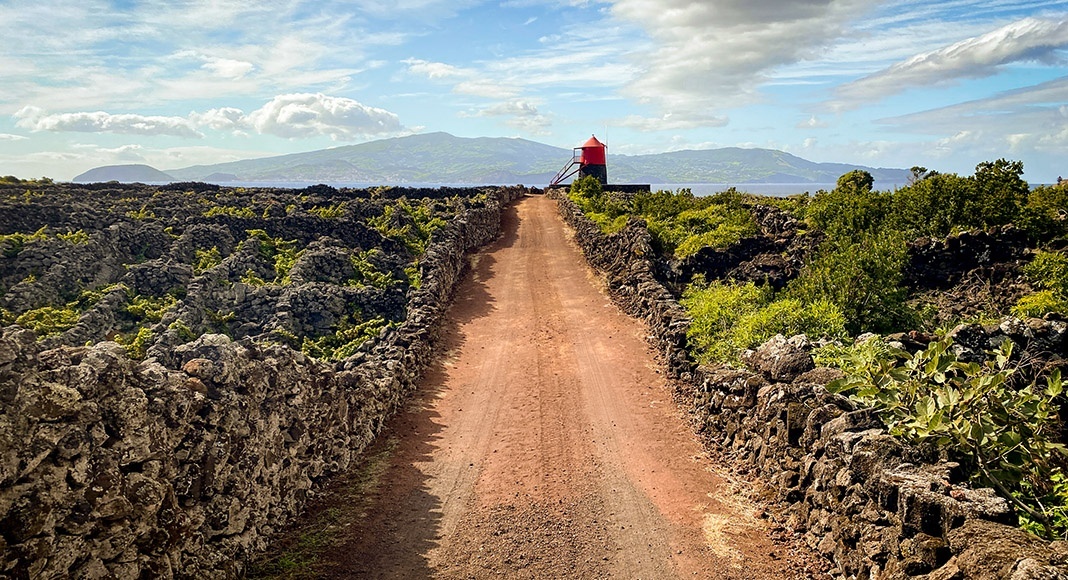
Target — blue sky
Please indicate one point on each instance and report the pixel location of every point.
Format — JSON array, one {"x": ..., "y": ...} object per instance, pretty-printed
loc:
[{"x": 895, "y": 83}]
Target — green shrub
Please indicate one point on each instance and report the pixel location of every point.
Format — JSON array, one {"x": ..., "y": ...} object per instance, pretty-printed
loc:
[
  {"x": 789, "y": 317},
  {"x": 1049, "y": 271},
  {"x": 726, "y": 319},
  {"x": 1004, "y": 434},
  {"x": 206, "y": 260},
  {"x": 345, "y": 341},
  {"x": 1042, "y": 216},
  {"x": 238, "y": 212},
  {"x": 933, "y": 206},
  {"x": 144, "y": 214},
  {"x": 862, "y": 277},
  {"x": 77, "y": 238},
  {"x": 329, "y": 212},
  {"x": 12, "y": 244},
  {"x": 1038, "y": 304},
  {"x": 137, "y": 343},
  {"x": 409, "y": 223},
  {"x": 283, "y": 254},
  {"x": 1000, "y": 192},
  {"x": 184, "y": 332},
  {"x": 147, "y": 308},
  {"x": 365, "y": 271},
  {"x": 49, "y": 320},
  {"x": 851, "y": 209}
]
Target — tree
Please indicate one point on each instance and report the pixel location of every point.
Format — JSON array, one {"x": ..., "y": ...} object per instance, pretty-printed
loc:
[
  {"x": 856, "y": 181},
  {"x": 999, "y": 194}
]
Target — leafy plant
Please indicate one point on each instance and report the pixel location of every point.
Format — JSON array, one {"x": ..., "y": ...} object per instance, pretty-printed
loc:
[
  {"x": 49, "y": 320},
  {"x": 409, "y": 223},
  {"x": 729, "y": 318},
  {"x": 345, "y": 341},
  {"x": 225, "y": 210},
  {"x": 184, "y": 332},
  {"x": 137, "y": 344},
  {"x": 206, "y": 260},
  {"x": 1038, "y": 304},
  {"x": 1049, "y": 272},
  {"x": 143, "y": 214},
  {"x": 862, "y": 276},
  {"x": 12, "y": 244},
  {"x": 329, "y": 212},
  {"x": 77, "y": 238},
  {"x": 365, "y": 271},
  {"x": 281, "y": 253},
  {"x": 1003, "y": 433},
  {"x": 149, "y": 309}
]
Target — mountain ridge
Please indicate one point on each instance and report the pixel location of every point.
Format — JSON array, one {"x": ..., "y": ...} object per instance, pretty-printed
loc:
[{"x": 443, "y": 158}]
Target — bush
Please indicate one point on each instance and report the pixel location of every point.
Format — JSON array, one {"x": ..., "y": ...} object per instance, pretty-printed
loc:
[
  {"x": 1039, "y": 304},
  {"x": 1043, "y": 216},
  {"x": 409, "y": 223},
  {"x": 206, "y": 259},
  {"x": 1000, "y": 192},
  {"x": 862, "y": 278},
  {"x": 726, "y": 319},
  {"x": 1049, "y": 272},
  {"x": 1003, "y": 434},
  {"x": 283, "y": 254},
  {"x": 850, "y": 209},
  {"x": 346, "y": 339},
  {"x": 49, "y": 320},
  {"x": 933, "y": 206},
  {"x": 715, "y": 309}
]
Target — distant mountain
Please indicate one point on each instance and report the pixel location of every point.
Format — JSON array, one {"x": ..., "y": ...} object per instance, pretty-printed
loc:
[
  {"x": 735, "y": 165},
  {"x": 443, "y": 158},
  {"x": 427, "y": 158},
  {"x": 124, "y": 173}
]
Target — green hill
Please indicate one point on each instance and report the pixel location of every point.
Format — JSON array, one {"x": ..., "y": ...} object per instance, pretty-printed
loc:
[
  {"x": 124, "y": 173},
  {"x": 446, "y": 159}
]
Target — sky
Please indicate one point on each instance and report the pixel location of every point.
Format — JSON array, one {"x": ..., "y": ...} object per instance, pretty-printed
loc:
[{"x": 895, "y": 83}]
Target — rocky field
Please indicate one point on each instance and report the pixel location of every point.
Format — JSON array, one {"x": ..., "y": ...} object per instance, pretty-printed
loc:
[{"x": 180, "y": 364}]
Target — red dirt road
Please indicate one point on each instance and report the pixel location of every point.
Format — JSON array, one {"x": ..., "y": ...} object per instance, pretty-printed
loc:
[{"x": 546, "y": 444}]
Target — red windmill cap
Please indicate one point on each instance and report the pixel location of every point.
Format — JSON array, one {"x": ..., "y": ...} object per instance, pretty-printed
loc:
[{"x": 592, "y": 142}]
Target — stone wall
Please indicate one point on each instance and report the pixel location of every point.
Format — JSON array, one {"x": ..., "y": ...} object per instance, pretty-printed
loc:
[
  {"x": 875, "y": 507},
  {"x": 111, "y": 467}
]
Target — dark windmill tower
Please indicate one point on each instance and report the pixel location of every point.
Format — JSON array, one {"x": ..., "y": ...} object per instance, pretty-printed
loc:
[{"x": 589, "y": 159}]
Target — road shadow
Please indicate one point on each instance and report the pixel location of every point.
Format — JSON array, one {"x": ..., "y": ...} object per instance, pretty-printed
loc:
[{"x": 471, "y": 299}]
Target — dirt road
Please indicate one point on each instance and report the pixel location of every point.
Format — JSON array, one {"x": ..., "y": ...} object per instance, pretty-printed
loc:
[{"x": 546, "y": 444}]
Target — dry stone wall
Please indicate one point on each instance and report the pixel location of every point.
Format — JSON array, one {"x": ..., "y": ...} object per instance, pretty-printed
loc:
[
  {"x": 182, "y": 464},
  {"x": 875, "y": 507}
]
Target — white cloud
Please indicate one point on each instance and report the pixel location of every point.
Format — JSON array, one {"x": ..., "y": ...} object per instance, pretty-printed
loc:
[
  {"x": 35, "y": 119},
  {"x": 433, "y": 70},
  {"x": 671, "y": 122},
  {"x": 310, "y": 115},
  {"x": 1030, "y": 39},
  {"x": 224, "y": 119},
  {"x": 228, "y": 68},
  {"x": 291, "y": 116},
  {"x": 714, "y": 54},
  {"x": 10, "y": 137},
  {"x": 519, "y": 114},
  {"x": 812, "y": 122}
]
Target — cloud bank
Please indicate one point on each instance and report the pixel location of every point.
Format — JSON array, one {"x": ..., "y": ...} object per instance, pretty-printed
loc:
[
  {"x": 1030, "y": 39},
  {"x": 289, "y": 116}
]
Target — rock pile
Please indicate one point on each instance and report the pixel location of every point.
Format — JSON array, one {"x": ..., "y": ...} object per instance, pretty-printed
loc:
[{"x": 875, "y": 507}]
